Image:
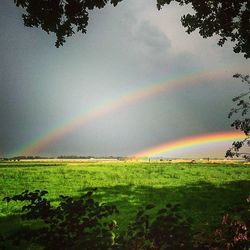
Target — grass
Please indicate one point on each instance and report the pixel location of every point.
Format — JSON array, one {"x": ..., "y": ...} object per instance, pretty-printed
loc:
[{"x": 204, "y": 190}]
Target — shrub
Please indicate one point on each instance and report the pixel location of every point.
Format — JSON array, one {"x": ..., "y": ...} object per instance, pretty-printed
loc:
[
  {"x": 233, "y": 233},
  {"x": 84, "y": 223},
  {"x": 168, "y": 230},
  {"x": 74, "y": 224}
]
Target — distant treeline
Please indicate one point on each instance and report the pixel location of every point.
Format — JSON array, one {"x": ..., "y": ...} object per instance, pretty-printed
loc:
[
  {"x": 22, "y": 157},
  {"x": 86, "y": 157}
]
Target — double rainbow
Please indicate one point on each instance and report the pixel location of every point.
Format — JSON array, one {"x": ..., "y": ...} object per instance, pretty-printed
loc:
[{"x": 194, "y": 78}]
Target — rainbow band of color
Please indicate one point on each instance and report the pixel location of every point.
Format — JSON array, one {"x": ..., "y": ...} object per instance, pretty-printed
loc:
[
  {"x": 191, "y": 141},
  {"x": 193, "y": 78}
]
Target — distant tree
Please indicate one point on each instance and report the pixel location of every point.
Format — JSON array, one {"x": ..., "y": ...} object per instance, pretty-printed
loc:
[
  {"x": 243, "y": 122},
  {"x": 229, "y": 19}
]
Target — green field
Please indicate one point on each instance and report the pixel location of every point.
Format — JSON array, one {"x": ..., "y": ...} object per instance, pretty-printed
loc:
[{"x": 205, "y": 191}]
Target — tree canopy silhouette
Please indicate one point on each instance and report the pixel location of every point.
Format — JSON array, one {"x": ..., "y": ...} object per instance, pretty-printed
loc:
[
  {"x": 60, "y": 16},
  {"x": 229, "y": 19}
]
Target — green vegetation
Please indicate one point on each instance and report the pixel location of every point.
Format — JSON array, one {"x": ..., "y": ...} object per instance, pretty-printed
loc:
[{"x": 205, "y": 191}]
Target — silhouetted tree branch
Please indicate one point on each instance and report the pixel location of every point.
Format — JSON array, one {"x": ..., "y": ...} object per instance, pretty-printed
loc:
[
  {"x": 60, "y": 16},
  {"x": 242, "y": 108},
  {"x": 228, "y": 19}
]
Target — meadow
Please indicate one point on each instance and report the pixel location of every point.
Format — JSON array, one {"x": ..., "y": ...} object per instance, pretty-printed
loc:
[{"x": 204, "y": 190}]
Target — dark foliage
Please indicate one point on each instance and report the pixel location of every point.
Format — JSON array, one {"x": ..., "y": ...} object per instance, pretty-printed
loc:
[
  {"x": 2, "y": 239},
  {"x": 233, "y": 233},
  {"x": 74, "y": 224},
  {"x": 84, "y": 224},
  {"x": 60, "y": 16},
  {"x": 168, "y": 230},
  {"x": 229, "y": 19},
  {"x": 243, "y": 124}
]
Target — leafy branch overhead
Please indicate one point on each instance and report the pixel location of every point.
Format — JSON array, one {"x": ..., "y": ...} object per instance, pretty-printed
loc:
[
  {"x": 230, "y": 19},
  {"x": 59, "y": 16}
]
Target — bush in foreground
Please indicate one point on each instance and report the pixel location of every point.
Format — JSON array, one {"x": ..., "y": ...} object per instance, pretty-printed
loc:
[
  {"x": 84, "y": 223},
  {"x": 74, "y": 224}
]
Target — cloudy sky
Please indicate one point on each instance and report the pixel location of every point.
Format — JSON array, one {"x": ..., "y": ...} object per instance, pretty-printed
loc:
[{"x": 126, "y": 50}]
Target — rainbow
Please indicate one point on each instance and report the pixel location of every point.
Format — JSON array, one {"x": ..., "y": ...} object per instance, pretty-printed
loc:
[
  {"x": 194, "y": 78},
  {"x": 191, "y": 141}
]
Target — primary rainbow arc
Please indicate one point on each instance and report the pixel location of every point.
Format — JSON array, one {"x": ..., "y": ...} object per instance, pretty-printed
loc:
[{"x": 191, "y": 141}]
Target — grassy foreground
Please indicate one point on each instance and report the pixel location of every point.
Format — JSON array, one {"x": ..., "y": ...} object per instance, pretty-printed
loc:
[{"x": 205, "y": 191}]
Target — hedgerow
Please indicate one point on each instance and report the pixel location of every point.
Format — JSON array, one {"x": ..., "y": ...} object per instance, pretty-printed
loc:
[{"x": 83, "y": 223}]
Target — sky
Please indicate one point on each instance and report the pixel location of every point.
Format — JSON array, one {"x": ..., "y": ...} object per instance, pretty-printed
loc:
[{"x": 82, "y": 89}]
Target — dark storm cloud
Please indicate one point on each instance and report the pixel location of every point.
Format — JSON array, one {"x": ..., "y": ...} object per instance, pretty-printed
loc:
[{"x": 151, "y": 37}]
